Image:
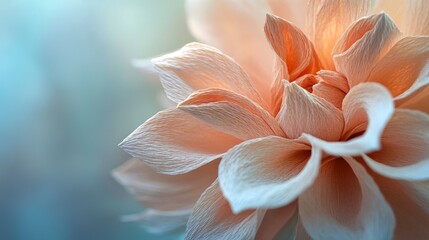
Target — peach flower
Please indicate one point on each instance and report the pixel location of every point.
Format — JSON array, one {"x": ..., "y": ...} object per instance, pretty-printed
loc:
[{"x": 317, "y": 150}]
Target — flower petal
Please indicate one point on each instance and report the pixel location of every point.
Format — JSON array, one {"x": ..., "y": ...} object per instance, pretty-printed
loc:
[
  {"x": 197, "y": 66},
  {"x": 411, "y": 210},
  {"x": 147, "y": 68},
  {"x": 302, "y": 112},
  {"x": 276, "y": 221},
  {"x": 367, "y": 106},
  {"x": 164, "y": 192},
  {"x": 174, "y": 142},
  {"x": 362, "y": 45},
  {"x": 295, "y": 54},
  {"x": 232, "y": 114},
  {"x": 212, "y": 219},
  {"x": 405, "y": 147},
  {"x": 160, "y": 222},
  {"x": 267, "y": 172},
  {"x": 328, "y": 19},
  {"x": 405, "y": 68},
  {"x": 236, "y": 28},
  {"x": 417, "y": 21},
  {"x": 345, "y": 203}
]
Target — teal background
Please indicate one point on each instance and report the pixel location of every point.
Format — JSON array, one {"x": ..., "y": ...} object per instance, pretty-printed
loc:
[{"x": 68, "y": 96}]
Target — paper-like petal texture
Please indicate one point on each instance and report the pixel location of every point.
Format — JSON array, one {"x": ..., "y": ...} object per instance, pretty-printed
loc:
[
  {"x": 267, "y": 172},
  {"x": 212, "y": 218},
  {"x": 345, "y": 203},
  {"x": 232, "y": 114},
  {"x": 367, "y": 106},
  {"x": 302, "y": 112},
  {"x": 197, "y": 66},
  {"x": 405, "y": 68},
  {"x": 164, "y": 192},
  {"x": 328, "y": 20},
  {"x": 174, "y": 142},
  {"x": 362, "y": 45},
  {"x": 404, "y": 153},
  {"x": 236, "y": 28}
]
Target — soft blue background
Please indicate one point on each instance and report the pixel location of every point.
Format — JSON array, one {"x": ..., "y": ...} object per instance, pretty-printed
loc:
[{"x": 68, "y": 96}]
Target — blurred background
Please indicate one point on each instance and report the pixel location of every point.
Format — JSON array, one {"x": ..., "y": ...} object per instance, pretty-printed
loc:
[{"x": 68, "y": 96}]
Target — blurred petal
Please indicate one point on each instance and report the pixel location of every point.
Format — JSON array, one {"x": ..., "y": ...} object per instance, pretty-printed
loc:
[
  {"x": 275, "y": 221},
  {"x": 212, "y": 219},
  {"x": 290, "y": 10},
  {"x": 362, "y": 45},
  {"x": 405, "y": 68},
  {"x": 301, "y": 233},
  {"x": 160, "y": 222},
  {"x": 410, "y": 208},
  {"x": 268, "y": 172},
  {"x": 197, "y": 66},
  {"x": 417, "y": 21},
  {"x": 174, "y": 142},
  {"x": 295, "y": 54},
  {"x": 147, "y": 68},
  {"x": 302, "y": 112},
  {"x": 328, "y": 20},
  {"x": 367, "y": 106},
  {"x": 164, "y": 192},
  {"x": 236, "y": 28},
  {"x": 405, "y": 147},
  {"x": 345, "y": 203},
  {"x": 231, "y": 113}
]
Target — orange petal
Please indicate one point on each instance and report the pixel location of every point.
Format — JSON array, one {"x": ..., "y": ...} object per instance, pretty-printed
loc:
[
  {"x": 197, "y": 66},
  {"x": 174, "y": 142},
  {"x": 362, "y": 45},
  {"x": 302, "y": 112},
  {"x": 405, "y": 147},
  {"x": 277, "y": 223},
  {"x": 164, "y": 192},
  {"x": 290, "y": 10},
  {"x": 266, "y": 173},
  {"x": 417, "y": 21},
  {"x": 405, "y": 68},
  {"x": 232, "y": 114},
  {"x": 212, "y": 218},
  {"x": 236, "y": 28},
  {"x": 343, "y": 202},
  {"x": 295, "y": 54},
  {"x": 328, "y": 20}
]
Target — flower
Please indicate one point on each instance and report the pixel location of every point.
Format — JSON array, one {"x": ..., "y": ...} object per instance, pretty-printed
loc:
[{"x": 316, "y": 150}]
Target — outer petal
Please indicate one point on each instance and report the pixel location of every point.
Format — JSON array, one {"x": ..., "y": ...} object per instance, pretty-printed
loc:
[
  {"x": 405, "y": 68},
  {"x": 277, "y": 222},
  {"x": 405, "y": 147},
  {"x": 362, "y": 45},
  {"x": 235, "y": 27},
  {"x": 291, "y": 10},
  {"x": 302, "y": 112},
  {"x": 411, "y": 209},
  {"x": 212, "y": 219},
  {"x": 345, "y": 203},
  {"x": 231, "y": 113},
  {"x": 198, "y": 66},
  {"x": 267, "y": 172},
  {"x": 417, "y": 21},
  {"x": 160, "y": 222},
  {"x": 164, "y": 192},
  {"x": 174, "y": 142},
  {"x": 328, "y": 19},
  {"x": 367, "y": 106},
  {"x": 295, "y": 54}
]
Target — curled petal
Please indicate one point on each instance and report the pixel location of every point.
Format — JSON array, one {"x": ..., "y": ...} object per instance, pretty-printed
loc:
[
  {"x": 345, "y": 203},
  {"x": 362, "y": 45},
  {"x": 267, "y": 172},
  {"x": 174, "y": 142},
  {"x": 197, "y": 66},
  {"x": 328, "y": 20},
  {"x": 236, "y": 28},
  {"x": 405, "y": 68},
  {"x": 212, "y": 218},
  {"x": 405, "y": 147},
  {"x": 302, "y": 112},
  {"x": 231, "y": 113},
  {"x": 367, "y": 106}
]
